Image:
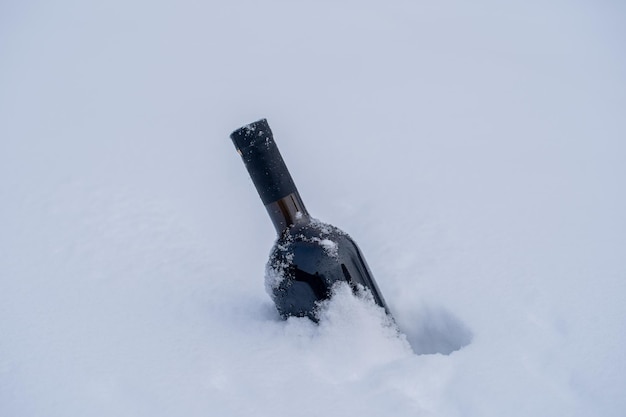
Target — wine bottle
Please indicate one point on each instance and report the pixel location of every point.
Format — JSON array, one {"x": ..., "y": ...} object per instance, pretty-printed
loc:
[{"x": 309, "y": 257}]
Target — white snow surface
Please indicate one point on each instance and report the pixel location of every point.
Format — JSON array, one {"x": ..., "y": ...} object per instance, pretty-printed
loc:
[{"x": 475, "y": 150}]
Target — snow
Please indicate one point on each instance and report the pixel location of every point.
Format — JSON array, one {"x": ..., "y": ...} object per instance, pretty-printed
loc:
[
  {"x": 329, "y": 246},
  {"x": 475, "y": 152}
]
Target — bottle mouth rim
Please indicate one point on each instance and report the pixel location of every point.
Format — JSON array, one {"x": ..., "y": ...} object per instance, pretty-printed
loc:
[{"x": 245, "y": 136}]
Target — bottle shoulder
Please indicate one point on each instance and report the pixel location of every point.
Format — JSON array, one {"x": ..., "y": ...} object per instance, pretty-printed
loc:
[
  {"x": 314, "y": 246},
  {"x": 312, "y": 232}
]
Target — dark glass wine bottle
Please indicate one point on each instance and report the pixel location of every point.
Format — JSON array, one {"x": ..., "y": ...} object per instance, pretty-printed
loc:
[{"x": 309, "y": 256}]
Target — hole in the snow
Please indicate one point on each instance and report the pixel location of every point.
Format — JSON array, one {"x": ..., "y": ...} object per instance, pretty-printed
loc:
[{"x": 434, "y": 330}]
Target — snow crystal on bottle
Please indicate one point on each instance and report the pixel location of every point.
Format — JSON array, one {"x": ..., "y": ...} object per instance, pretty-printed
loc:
[{"x": 278, "y": 266}]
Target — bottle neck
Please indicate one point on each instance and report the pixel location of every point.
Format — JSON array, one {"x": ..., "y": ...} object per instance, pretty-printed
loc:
[
  {"x": 286, "y": 211},
  {"x": 255, "y": 143}
]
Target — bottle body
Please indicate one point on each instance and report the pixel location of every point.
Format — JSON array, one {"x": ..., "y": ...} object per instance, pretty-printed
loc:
[
  {"x": 309, "y": 257},
  {"x": 307, "y": 260}
]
